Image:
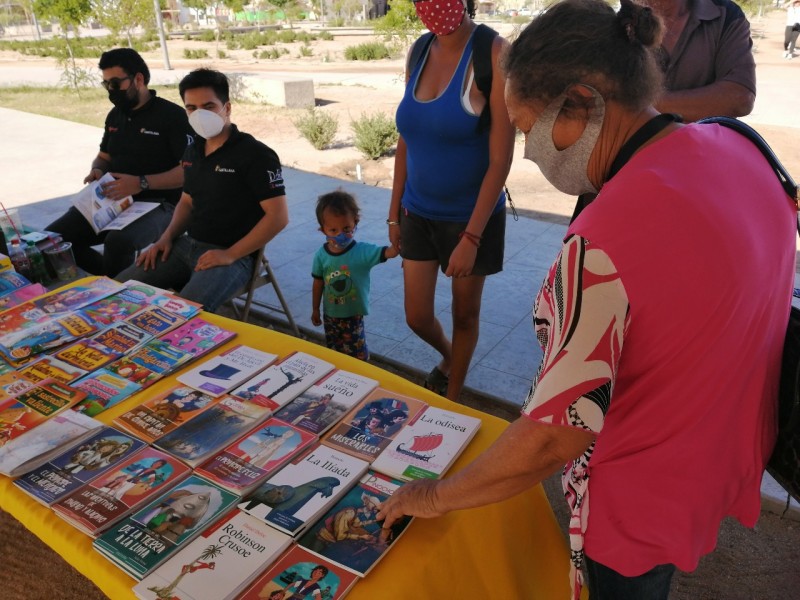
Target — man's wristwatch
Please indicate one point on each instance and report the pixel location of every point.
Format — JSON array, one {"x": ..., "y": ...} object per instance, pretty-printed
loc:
[{"x": 143, "y": 183}]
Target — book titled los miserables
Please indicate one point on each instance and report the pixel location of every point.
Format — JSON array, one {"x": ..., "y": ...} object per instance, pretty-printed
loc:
[
  {"x": 141, "y": 542},
  {"x": 218, "y": 564},
  {"x": 296, "y": 495}
]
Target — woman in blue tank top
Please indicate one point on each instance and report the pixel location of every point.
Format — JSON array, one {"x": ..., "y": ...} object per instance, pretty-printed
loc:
[{"x": 448, "y": 208}]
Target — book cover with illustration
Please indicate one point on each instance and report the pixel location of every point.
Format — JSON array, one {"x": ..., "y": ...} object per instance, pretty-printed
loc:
[
  {"x": 143, "y": 293},
  {"x": 213, "y": 429},
  {"x": 219, "y": 563},
  {"x": 159, "y": 357},
  {"x": 49, "y": 367},
  {"x": 116, "y": 307},
  {"x": 11, "y": 281},
  {"x": 72, "y": 298},
  {"x": 198, "y": 336},
  {"x": 40, "y": 337},
  {"x": 305, "y": 488},
  {"x": 281, "y": 383},
  {"x": 224, "y": 372},
  {"x": 176, "y": 305},
  {"x": 21, "y": 317},
  {"x": 145, "y": 539},
  {"x": 21, "y": 414},
  {"x": 428, "y": 446},
  {"x": 103, "y": 390},
  {"x": 349, "y": 533},
  {"x": 121, "y": 337},
  {"x": 245, "y": 463},
  {"x": 36, "y": 447},
  {"x": 133, "y": 372},
  {"x": 81, "y": 463},
  {"x": 87, "y": 355},
  {"x": 132, "y": 483},
  {"x": 21, "y": 295},
  {"x": 155, "y": 320},
  {"x": 300, "y": 574},
  {"x": 13, "y": 383},
  {"x": 369, "y": 427},
  {"x": 160, "y": 415},
  {"x": 322, "y": 405}
]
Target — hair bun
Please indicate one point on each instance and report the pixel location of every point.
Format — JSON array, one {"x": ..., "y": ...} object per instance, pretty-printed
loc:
[{"x": 639, "y": 23}]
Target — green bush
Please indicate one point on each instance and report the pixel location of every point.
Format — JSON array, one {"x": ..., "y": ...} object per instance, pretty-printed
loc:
[
  {"x": 207, "y": 35},
  {"x": 367, "y": 51},
  {"x": 306, "y": 51},
  {"x": 201, "y": 53},
  {"x": 222, "y": 54},
  {"x": 271, "y": 54},
  {"x": 375, "y": 134},
  {"x": 317, "y": 127},
  {"x": 326, "y": 35},
  {"x": 287, "y": 36}
]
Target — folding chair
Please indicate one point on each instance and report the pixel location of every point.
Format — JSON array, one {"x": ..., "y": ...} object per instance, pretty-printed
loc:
[{"x": 262, "y": 275}]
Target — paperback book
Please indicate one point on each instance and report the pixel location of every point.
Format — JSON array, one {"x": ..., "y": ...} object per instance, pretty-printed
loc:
[
  {"x": 155, "y": 320},
  {"x": 283, "y": 382},
  {"x": 224, "y": 372},
  {"x": 159, "y": 357},
  {"x": 349, "y": 534},
  {"x": 213, "y": 429},
  {"x": 132, "y": 483},
  {"x": 373, "y": 423},
  {"x": 11, "y": 281},
  {"x": 428, "y": 446},
  {"x": 198, "y": 336},
  {"x": 87, "y": 355},
  {"x": 300, "y": 574},
  {"x": 320, "y": 406},
  {"x": 81, "y": 463},
  {"x": 143, "y": 293},
  {"x": 72, "y": 298},
  {"x": 249, "y": 460},
  {"x": 13, "y": 383},
  {"x": 21, "y": 295},
  {"x": 40, "y": 337},
  {"x": 218, "y": 564},
  {"x": 144, "y": 540},
  {"x": 121, "y": 337},
  {"x": 176, "y": 305},
  {"x": 49, "y": 367},
  {"x": 160, "y": 415},
  {"x": 35, "y": 448},
  {"x": 103, "y": 390},
  {"x": 305, "y": 488},
  {"x": 22, "y": 316},
  {"x": 134, "y": 372},
  {"x": 115, "y": 308}
]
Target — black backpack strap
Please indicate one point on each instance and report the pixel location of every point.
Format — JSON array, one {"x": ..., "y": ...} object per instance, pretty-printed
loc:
[
  {"x": 418, "y": 49},
  {"x": 482, "y": 42}
]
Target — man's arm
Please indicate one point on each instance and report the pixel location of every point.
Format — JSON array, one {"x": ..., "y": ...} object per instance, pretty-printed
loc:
[
  {"x": 128, "y": 185},
  {"x": 721, "y": 98},
  {"x": 100, "y": 164}
]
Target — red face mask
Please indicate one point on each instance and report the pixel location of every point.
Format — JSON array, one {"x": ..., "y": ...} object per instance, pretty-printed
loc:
[{"x": 441, "y": 17}]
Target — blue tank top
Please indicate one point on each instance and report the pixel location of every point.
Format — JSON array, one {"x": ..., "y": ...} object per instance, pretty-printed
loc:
[{"x": 446, "y": 158}]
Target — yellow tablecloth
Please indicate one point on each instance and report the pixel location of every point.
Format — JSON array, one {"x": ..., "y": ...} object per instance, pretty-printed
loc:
[{"x": 512, "y": 550}]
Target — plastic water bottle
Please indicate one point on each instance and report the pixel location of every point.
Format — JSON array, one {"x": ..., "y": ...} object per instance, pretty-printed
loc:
[
  {"x": 38, "y": 268},
  {"x": 19, "y": 259}
]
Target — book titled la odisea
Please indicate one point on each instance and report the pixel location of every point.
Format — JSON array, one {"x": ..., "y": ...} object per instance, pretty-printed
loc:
[{"x": 218, "y": 564}]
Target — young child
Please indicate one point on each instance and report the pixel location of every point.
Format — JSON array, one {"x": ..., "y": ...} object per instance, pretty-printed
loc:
[{"x": 341, "y": 274}]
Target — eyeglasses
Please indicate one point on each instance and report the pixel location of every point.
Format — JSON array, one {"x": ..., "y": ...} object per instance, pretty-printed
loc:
[{"x": 113, "y": 84}]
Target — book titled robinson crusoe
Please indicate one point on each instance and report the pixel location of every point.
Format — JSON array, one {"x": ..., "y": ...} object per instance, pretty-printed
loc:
[
  {"x": 49, "y": 367},
  {"x": 249, "y": 460},
  {"x": 305, "y": 488},
  {"x": 163, "y": 413},
  {"x": 369, "y": 427},
  {"x": 144, "y": 540},
  {"x": 283, "y": 382},
  {"x": 349, "y": 533},
  {"x": 300, "y": 574},
  {"x": 81, "y": 463},
  {"x": 218, "y": 564},
  {"x": 132, "y": 483},
  {"x": 198, "y": 336},
  {"x": 103, "y": 390},
  {"x": 155, "y": 320},
  {"x": 224, "y": 372},
  {"x": 428, "y": 446},
  {"x": 320, "y": 406},
  {"x": 36, "y": 447}
]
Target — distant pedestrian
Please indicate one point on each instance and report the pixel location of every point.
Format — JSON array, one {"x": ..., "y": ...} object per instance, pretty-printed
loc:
[{"x": 792, "y": 29}]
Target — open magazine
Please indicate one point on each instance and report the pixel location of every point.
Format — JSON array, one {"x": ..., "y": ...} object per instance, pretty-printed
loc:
[{"x": 105, "y": 214}]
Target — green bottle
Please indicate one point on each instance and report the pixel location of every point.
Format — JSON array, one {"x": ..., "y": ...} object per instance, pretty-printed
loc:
[{"x": 38, "y": 268}]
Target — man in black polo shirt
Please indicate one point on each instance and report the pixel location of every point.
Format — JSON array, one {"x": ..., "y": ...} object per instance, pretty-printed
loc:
[
  {"x": 233, "y": 203},
  {"x": 144, "y": 139}
]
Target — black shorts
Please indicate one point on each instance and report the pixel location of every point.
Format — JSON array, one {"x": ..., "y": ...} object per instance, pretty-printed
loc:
[{"x": 425, "y": 239}]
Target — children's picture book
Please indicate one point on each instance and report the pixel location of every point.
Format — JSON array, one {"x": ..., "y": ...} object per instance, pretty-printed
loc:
[
  {"x": 41, "y": 337},
  {"x": 133, "y": 372},
  {"x": 369, "y": 427},
  {"x": 143, "y": 293},
  {"x": 103, "y": 390},
  {"x": 144, "y": 540},
  {"x": 198, "y": 336},
  {"x": 132, "y": 483},
  {"x": 13, "y": 383},
  {"x": 49, "y": 367},
  {"x": 21, "y": 295},
  {"x": 35, "y": 448},
  {"x": 10, "y": 281},
  {"x": 320, "y": 406},
  {"x": 182, "y": 307},
  {"x": 74, "y": 297},
  {"x": 87, "y": 354},
  {"x": 218, "y": 564},
  {"x": 349, "y": 534},
  {"x": 300, "y": 574},
  {"x": 225, "y": 371},
  {"x": 21, "y": 317},
  {"x": 159, "y": 357},
  {"x": 155, "y": 320},
  {"x": 428, "y": 446},
  {"x": 116, "y": 307},
  {"x": 80, "y": 463},
  {"x": 283, "y": 382},
  {"x": 213, "y": 429},
  {"x": 160, "y": 415},
  {"x": 305, "y": 488},
  {"x": 249, "y": 460},
  {"x": 121, "y": 337}
]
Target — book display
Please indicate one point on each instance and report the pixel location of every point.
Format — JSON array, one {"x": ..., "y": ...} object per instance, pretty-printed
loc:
[
  {"x": 103, "y": 390},
  {"x": 49, "y": 367},
  {"x": 22, "y": 413},
  {"x": 228, "y": 370},
  {"x": 198, "y": 336},
  {"x": 155, "y": 320}
]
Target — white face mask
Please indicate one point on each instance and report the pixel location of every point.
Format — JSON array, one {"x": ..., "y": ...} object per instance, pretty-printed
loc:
[
  {"x": 566, "y": 169},
  {"x": 206, "y": 123}
]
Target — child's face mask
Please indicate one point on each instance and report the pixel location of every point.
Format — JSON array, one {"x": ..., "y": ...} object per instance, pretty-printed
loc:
[{"x": 343, "y": 238}]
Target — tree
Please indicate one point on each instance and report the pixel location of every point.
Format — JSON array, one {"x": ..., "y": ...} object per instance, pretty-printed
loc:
[
  {"x": 290, "y": 8},
  {"x": 400, "y": 25},
  {"x": 123, "y": 16},
  {"x": 68, "y": 13}
]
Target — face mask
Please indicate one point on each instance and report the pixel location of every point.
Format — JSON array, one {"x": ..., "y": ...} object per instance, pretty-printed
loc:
[
  {"x": 125, "y": 100},
  {"x": 565, "y": 169},
  {"x": 343, "y": 239},
  {"x": 441, "y": 17},
  {"x": 206, "y": 123}
]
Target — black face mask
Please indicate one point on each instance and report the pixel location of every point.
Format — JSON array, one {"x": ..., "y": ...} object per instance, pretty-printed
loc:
[{"x": 124, "y": 100}]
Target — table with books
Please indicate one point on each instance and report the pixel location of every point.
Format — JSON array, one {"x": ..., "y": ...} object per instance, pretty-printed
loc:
[{"x": 213, "y": 414}]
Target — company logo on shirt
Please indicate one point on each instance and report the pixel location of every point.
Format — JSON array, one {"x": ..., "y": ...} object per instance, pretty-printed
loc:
[
  {"x": 275, "y": 178},
  {"x": 186, "y": 163},
  {"x": 113, "y": 129},
  {"x": 148, "y": 132},
  {"x": 219, "y": 169}
]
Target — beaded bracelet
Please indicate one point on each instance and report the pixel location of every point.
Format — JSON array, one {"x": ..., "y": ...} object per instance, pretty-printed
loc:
[{"x": 475, "y": 240}]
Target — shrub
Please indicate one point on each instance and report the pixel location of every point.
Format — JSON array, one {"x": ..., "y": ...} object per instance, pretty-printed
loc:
[
  {"x": 367, "y": 51},
  {"x": 271, "y": 54},
  {"x": 317, "y": 127},
  {"x": 207, "y": 35},
  {"x": 201, "y": 53},
  {"x": 287, "y": 36},
  {"x": 375, "y": 134},
  {"x": 326, "y": 35},
  {"x": 222, "y": 54},
  {"x": 306, "y": 51}
]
